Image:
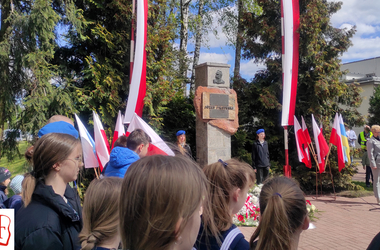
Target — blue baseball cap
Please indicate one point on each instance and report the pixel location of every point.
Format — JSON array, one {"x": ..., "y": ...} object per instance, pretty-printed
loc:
[
  {"x": 58, "y": 127},
  {"x": 180, "y": 132},
  {"x": 260, "y": 131}
]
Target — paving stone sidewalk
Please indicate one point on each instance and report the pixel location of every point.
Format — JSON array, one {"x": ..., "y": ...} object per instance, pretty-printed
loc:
[{"x": 344, "y": 223}]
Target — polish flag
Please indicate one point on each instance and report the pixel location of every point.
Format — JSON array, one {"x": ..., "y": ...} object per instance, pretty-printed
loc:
[
  {"x": 301, "y": 141},
  {"x": 88, "y": 146},
  {"x": 290, "y": 22},
  {"x": 101, "y": 143},
  {"x": 336, "y": 139},
  {"x": 157, "y": 146},
  {"x": 119, "y": 128},
  {"x": 321, "y": 145},
  {"x": 305, "y": 132},
  {"x": 137, "y": 88}
]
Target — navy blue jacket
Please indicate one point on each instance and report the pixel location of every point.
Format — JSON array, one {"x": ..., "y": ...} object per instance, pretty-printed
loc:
[
  {"x": 239, "y": 243},
  {"x": 48, "y": 222},
  {"x": 3, "y": 196},
  {"x": 120, "y": 160},
  {"x": 14, "y": 202},
  {"x": 260, "y": 155}
]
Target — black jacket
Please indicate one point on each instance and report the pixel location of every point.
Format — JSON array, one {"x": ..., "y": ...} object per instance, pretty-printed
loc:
[
  {"x": 48, "y": 222},
  {"x": 260, "y": 155}
]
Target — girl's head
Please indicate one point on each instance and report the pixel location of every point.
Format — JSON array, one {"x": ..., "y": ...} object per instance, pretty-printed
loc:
[
  {"x": 101, "y": 212},
  {"x": 5, "y": 176},
  {"x": 54, "y": 153},
  {"x": 283, "y": 213},
  {"x": 229, "y": 185},
  {"x": 160, "y": 203}
]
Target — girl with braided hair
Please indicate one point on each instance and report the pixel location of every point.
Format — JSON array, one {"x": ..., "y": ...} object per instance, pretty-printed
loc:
[{"x": 101, "y": 215}]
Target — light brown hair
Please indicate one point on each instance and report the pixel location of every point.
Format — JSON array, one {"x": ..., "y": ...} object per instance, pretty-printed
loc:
[
  {"x": 223, "y": 177},
  {"x": 50, "y": 149},
  {"x": 282, "y": 212},
  {"x": 100, "y": 212},
  {"x": 136, "y": 138},
  {"x": 157, "y": 192}
]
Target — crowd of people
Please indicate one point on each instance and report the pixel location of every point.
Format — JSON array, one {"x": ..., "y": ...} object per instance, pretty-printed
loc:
[{"x": 151, "y": 202}]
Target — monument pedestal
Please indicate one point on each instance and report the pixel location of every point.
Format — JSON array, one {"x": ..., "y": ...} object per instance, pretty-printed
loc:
[{"x": 216, "y": 108}]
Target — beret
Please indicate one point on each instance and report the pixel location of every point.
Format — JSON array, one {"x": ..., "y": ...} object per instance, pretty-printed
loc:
[
  {"x": 180, "y": 132},
  {"x": 260, "y": 131},
  {"x": 58, "y": 127}
]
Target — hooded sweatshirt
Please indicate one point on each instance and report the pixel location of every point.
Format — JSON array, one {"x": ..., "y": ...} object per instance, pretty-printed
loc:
[{"x": 120, "y": 160}]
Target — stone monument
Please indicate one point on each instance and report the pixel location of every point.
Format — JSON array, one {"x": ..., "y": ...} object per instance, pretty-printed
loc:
[{"x": 217, "y": 112}]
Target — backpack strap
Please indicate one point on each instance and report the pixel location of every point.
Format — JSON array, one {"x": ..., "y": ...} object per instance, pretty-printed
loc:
[{"x": 230, "y": 238}]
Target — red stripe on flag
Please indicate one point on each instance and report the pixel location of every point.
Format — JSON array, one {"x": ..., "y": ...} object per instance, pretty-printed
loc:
[
  {"x": 296, "y": 37},
  {"x": 142, "y": 89},
  {"x": 153, "y": 150},
  {"x": 105, "y": 140}
]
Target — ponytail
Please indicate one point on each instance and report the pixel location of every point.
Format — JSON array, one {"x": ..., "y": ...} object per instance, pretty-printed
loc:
[
  {"x": 28, "y": 186},
  {"x": 282, "y": 212},
  {"x": 274, "y": 221},
  {"x": 90, "y": 241}
]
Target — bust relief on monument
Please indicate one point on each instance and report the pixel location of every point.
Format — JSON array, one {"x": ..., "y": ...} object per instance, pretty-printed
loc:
[{"x": 218, "y": 77}]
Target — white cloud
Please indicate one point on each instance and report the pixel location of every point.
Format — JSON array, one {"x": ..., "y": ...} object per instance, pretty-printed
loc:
[
  {"x": 214, "y": 57},
  {"x": 249, "y": 69},
  {"x": 364, "y": 15}
]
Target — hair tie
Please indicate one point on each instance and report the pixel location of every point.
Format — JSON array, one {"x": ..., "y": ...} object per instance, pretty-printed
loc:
[
  {"x": 278, "y": 194},
  {"x": 92, "y": 239},
  {"x": 224, "y": 163}
]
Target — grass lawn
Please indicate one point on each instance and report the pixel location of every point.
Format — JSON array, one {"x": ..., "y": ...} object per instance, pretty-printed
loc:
[{"x": 19, "y": 165}]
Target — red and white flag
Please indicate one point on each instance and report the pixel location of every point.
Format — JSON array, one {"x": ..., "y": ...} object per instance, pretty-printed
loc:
[
  {"x": 321, "y": 145},
  {"x": 119, "y": 128},
  {"x": 290, "y": 20},
  {"x": 301, "y": 143},
  {"x": 305, "y": 131},
  {"x": 88, "y": 146},
  {"x": 137, "y": 88},
  {"x": 157, "y": 146},
  {"x": 336, "y": 139},
  {"x": 101, "y": 143}
]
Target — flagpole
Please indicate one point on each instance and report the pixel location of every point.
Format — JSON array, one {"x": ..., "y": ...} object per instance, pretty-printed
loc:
[
  {"x": 328, "y": 154},
  {"x": 287, "y": 168}
]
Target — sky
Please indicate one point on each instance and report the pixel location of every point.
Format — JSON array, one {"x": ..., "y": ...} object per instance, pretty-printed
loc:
[{"x": 364, "y": 14}]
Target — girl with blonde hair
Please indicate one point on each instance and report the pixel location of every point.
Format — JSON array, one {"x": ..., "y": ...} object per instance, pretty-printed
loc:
[
  {"x": 51, "y": 216},
  {"x": 161, "y": 203},
  {"x": 230, "y": 182},
  {"x": 283, "y": 216},
  {"x": 101, "y": 215}
]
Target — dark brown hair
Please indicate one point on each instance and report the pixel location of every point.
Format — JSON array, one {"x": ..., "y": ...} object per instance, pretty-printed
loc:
[
  {"x": 157, "y": 192},
  {"x": 100, "y": 212},
  {"x": 49, "y": 149},
  {"x": 282, "y": 210},
  {"x": 136, "y": 138},
  {"x": 121, "y": 142}
]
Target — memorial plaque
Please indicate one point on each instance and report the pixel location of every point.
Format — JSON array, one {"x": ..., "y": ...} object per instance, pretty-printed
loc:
[{"x": 218, "y": 106}]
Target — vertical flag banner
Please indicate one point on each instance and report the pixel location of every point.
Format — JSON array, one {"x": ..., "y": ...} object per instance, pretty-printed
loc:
[
  {"x": 101, "y": 143},
  {"x": 137, "y": 88},
  {"x": 336, "y": 139},
  {"x": 88, "y": 146},
  {"x": 119, "y": 128},
  {"x": 346, "y": 146},
  {"x": 320, "y": 144},
  {"x": 290, "y": 20},
  {"x": 157, "y": 146},
  {"x": 300, "y": 141}
]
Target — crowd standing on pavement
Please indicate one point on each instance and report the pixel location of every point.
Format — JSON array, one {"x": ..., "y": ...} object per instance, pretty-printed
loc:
[{"x": 155, "y": 202}]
